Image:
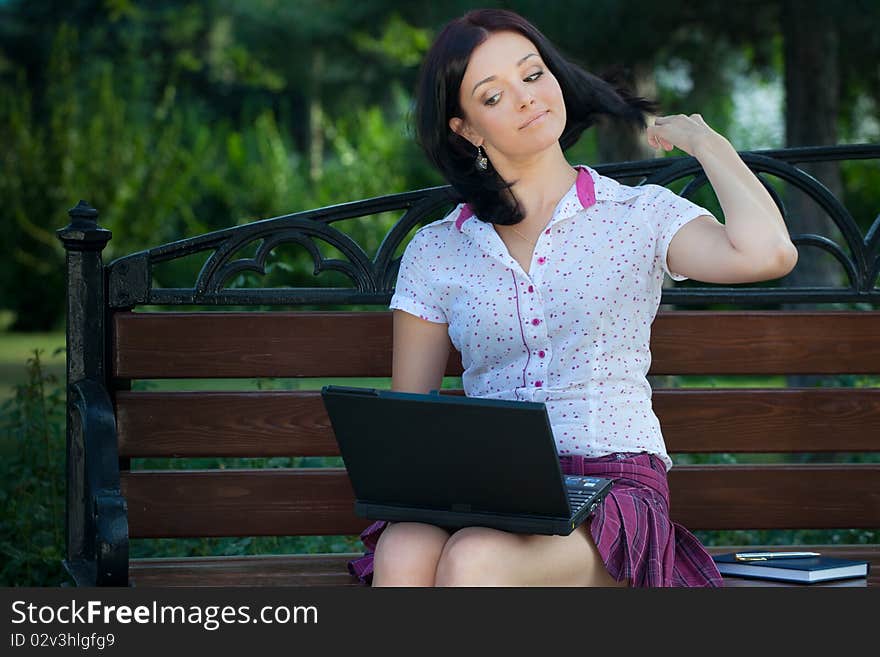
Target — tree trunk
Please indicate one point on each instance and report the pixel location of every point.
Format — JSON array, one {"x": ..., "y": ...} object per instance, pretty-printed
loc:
[
  {"x": 811, "y": 96},
  {"x": 316, "y": 130},
  {"x": 620, "y": 142}
]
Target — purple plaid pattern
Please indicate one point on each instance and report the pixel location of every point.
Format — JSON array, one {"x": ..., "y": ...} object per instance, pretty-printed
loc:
[{"x": 632, "y": 529}]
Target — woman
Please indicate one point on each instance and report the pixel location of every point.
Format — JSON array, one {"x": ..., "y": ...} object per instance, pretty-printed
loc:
[{"x": 547, "y": 281}]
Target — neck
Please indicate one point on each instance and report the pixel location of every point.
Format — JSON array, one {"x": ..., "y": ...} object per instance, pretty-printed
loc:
[{"x": 541, "y": 182}]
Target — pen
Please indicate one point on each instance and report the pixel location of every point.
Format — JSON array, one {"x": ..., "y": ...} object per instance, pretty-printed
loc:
[{"x": 764, "y": 556}]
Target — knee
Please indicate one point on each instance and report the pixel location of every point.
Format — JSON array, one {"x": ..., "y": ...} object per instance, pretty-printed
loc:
[
  {"x": 469, "y": 558},
  {"x": 407, "y": 554}
]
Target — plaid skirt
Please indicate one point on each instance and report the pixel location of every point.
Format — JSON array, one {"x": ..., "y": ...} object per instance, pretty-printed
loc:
[{"x": 631, "y": 527}]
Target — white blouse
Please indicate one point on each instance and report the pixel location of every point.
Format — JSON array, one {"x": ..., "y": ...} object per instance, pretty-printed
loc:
[{"x": 574, "y": 332}]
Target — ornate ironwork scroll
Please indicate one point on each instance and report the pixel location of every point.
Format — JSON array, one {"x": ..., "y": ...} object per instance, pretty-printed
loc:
[{"x": 373, "y": 278}]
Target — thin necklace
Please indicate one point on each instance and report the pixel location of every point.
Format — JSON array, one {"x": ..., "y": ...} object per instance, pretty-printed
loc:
[
  {"x": 526, "y": 238},
  {"x": 523, "y": 236}
]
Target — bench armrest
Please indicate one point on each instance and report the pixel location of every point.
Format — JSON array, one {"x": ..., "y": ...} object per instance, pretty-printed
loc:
[{"x": 107, "y": 512}]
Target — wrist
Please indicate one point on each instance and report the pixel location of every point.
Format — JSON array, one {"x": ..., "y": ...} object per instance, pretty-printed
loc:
[{"x": 711, "y": 142}]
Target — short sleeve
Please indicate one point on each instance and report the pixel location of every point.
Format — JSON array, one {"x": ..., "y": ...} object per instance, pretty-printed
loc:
[
  {"x": 413, "y": 291},
  {"x": 667, "y": 212}
]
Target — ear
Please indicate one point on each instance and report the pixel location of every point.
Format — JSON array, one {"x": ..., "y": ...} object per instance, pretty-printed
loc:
[{"x": 460, "y": 128}]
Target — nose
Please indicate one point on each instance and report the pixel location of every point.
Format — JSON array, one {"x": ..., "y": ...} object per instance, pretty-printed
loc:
[{"x": 526, "y": 97}]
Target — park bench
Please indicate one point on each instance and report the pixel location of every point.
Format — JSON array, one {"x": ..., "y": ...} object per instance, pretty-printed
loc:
[{"x": 114, "y": 339}]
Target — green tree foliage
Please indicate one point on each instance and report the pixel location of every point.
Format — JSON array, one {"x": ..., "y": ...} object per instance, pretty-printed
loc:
[
  {"x": 177, "y": 117},
  {"x": 148, "y": 146}
]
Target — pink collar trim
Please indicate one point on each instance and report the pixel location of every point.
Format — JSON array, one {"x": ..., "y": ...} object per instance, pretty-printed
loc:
[
  {"x": 465, "y": 214},
  {"x": 586, "y": 191}
]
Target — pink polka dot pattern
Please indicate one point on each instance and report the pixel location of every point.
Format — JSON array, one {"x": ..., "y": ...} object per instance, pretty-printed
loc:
[{"x": 574, "y": 330}]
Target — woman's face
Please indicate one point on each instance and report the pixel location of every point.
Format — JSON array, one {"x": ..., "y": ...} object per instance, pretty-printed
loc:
[{"x": 506, "y": 84}]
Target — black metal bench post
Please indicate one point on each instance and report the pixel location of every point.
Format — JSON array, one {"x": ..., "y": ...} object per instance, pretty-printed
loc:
[{"x": 96, "y": 529}]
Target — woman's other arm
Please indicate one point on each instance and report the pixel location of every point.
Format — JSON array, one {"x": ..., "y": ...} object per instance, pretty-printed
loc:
[{"x": 421, "y": 351}]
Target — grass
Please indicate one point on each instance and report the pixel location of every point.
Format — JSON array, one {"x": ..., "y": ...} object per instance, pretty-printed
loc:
[{"x": 16, "y": 348}]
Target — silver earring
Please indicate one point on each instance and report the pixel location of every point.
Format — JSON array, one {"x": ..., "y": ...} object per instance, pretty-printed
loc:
[{"x": 481, "y": 162}]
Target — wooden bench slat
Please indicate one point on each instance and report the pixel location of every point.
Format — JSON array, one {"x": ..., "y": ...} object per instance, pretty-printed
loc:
[
  {"x": 735, "y": 496},
  {"x": 280, "y": 502},
  {"x": 766, "y": 342},
  {"x": 252, "y": 344},
  {"x": 284, "y": 423},
  {"x": 319, "y": 501},
  {"x": 769, "y": 419},
  {"x": 255, "y": 570},
  {"x": 331, "y": 569},
  {"x": 230, "y": 424},
  {"x": 359, "y": 344}
]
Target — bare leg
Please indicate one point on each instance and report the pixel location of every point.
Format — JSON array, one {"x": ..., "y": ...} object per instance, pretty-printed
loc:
[
  {"x": 479, "y": 556},
  {"x": 407, "y": 554}
]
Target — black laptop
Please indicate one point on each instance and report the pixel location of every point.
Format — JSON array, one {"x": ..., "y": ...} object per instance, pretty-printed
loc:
[{"x": 456, "y": 461}]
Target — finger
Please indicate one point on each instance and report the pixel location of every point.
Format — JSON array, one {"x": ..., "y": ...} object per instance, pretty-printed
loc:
[{"x": 656, "y": 141}]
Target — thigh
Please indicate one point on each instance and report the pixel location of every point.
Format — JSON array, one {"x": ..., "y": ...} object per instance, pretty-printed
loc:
[
  {"x": 483, "y": 556},
  {"x": 407, "y": 554}
]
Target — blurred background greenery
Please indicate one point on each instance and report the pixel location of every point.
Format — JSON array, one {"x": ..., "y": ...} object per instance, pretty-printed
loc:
[{"x": 174, "y": 118}]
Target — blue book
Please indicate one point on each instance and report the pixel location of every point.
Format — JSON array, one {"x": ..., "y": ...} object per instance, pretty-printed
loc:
[{"x": 806, "y": 570}]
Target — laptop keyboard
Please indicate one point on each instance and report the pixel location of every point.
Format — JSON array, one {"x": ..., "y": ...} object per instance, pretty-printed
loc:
[{"x": 580, "y": 491}]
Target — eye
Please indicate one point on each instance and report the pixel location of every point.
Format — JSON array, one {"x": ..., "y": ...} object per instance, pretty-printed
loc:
[{"x": 532, "y": 78}]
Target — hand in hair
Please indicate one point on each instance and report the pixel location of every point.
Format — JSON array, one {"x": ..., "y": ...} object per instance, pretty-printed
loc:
[{"x": 683, "y": 132}]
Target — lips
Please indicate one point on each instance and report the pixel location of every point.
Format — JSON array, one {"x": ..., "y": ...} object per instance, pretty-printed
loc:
[{"x": 534, "y": 118}]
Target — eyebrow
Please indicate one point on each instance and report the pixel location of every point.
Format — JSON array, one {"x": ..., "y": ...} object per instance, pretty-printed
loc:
[{"x": 492, "y": 77}]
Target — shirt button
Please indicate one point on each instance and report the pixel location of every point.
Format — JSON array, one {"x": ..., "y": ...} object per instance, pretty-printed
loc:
[
  {"x": 541, "y": 260},
  {"x": 541, "y": 353},
  {"x": 531, "y": 289},
  {"x": 547, "y": 232},
  {"x": 536, "y": 321},
  {"x": 538, "y": 383}
]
